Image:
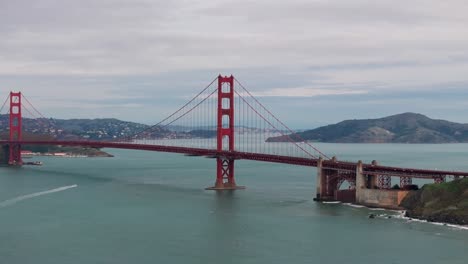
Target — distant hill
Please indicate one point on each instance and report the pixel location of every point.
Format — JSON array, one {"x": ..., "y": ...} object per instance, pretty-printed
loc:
[
  {"x": 96, "y": 129},
  {"x": 401, "y": 128}
]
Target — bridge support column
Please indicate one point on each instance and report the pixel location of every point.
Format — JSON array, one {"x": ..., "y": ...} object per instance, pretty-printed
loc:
[
  {"x": 380, "y": 181},
  {"x": 360, "y": 182},
  {"x": 385, "y": 182},
  {"x": 404, "y": 181},
  {"x": 15, "y": 129},
  {"x": 373, "y": 180},
  {"x": 225, "y": 135},
  {"x": 319, "y": 181},
  {"x": 225, "y": 175},
  {"x": 439, "y": 179}
]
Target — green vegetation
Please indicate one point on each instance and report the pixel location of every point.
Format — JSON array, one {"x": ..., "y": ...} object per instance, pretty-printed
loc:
[
  {"x": 101, "y": 129},
  {"x": 444, "y": 202},
  {"x": 82, "y": 151},
  {"x": 401, "y": 128}
]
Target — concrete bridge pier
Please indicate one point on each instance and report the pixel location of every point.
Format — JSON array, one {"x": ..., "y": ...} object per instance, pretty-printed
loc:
[
  {"x": 373, "y": 180},
  {"x": 361, "y": 182},
  {"x": 329, "y": 180},
  {"x": 373, "y": 197},
  {"x": 326, "y": 182},
  {"x": 10, "y": 154},
  {"x": 319, "y": 179}
]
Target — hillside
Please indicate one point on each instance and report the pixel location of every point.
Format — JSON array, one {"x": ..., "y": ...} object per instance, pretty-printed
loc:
[
  {"x": 445, "y": 202},
  {"x": 401, "y": 128},
  {"x": 84, "y": 151},
  {"x": 97, "y": 129}
]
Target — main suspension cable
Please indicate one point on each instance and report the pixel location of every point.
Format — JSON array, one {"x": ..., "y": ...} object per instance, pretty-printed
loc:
[{"x": 284, "y": 125}]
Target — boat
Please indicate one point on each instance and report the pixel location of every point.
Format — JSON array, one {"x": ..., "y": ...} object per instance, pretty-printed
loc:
[{"x": 35, "y": 163}]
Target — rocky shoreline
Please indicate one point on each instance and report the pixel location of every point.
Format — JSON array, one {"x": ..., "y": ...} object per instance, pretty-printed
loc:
[
  {"x": 443, "y": 203},
  {"x": 438, "y": 218}
]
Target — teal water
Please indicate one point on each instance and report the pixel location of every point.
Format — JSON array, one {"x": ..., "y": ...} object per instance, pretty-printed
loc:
[{"x": 147, "y": 207}]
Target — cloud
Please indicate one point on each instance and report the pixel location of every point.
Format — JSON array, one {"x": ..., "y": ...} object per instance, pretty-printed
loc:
[
  {"x": 140, "y": 51},
  {"x": 306, "y": 92},
  {"x": 150, "y": 37}
]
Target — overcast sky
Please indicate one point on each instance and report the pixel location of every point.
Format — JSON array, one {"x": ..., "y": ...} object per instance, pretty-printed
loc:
[{"x": 312, "y": 62}]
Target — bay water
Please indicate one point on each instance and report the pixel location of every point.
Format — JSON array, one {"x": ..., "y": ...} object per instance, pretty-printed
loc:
[{"x": 149, "y": 207}]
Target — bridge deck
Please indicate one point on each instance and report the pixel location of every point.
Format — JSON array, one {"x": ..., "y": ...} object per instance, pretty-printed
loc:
[{"x": 328, "y": 164}]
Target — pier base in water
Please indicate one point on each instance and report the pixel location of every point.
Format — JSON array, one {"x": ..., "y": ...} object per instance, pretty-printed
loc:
[
  {"x": 225, "y": 186},
  {"x": 225, "y": 175}
]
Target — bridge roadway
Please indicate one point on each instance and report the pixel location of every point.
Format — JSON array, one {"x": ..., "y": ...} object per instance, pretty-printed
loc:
[{"x": 343, "y": 166}]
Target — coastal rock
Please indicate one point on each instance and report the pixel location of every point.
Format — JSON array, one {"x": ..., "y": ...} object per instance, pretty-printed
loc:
[{"x": 444, "y": 202}]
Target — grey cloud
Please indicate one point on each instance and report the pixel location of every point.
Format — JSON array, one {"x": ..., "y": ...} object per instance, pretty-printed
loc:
[
  {"x": 131, "y": 37},
  {"x": 345, "y": 45}
]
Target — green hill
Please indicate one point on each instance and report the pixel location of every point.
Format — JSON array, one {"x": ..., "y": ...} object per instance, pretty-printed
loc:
[
  {"x": 444, "y": 202},
  {"x": 100, "y": 129},
  {"x": 401, "y": 128}
]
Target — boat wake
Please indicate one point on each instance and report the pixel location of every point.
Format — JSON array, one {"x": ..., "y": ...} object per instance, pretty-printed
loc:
[{"x": 32, "y": 195}]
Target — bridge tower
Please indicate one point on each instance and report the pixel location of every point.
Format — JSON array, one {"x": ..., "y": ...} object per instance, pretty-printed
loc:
[
  {"x": 225, "y": 135},
  {"x": 15, "y": 129}
]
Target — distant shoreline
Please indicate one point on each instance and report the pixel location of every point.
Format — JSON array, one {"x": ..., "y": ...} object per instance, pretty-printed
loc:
[{"x": 67, "y": 155}]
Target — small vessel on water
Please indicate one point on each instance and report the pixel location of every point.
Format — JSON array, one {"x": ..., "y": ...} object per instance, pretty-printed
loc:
[{"x": 36, "y": 163}]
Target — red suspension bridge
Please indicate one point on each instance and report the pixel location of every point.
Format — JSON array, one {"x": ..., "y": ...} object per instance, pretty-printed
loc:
[{"x": 226, "y": 122}]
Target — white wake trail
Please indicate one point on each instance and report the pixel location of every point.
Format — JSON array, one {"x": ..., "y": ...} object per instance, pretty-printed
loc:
[{"x": 32, "y": 195}]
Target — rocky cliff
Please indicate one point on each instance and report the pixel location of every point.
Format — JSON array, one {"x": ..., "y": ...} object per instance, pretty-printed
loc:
[{"x": 445, "y": 202}]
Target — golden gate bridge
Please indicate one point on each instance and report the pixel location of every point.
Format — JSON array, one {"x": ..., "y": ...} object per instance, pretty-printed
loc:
[{"x": 241, "y": 125}]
